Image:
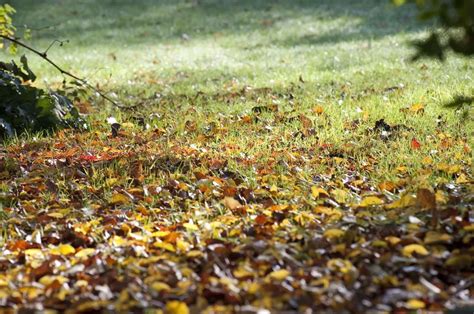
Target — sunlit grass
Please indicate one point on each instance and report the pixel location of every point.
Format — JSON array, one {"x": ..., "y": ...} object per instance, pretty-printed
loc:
[{"x": 352, "y": 60}]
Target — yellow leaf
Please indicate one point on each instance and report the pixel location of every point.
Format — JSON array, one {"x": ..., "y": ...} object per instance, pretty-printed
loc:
[
  {"x": 441, "y": 197},
  {"x": 252, "y": 287},
  {"x": 316, "y": 192},
  {"x": 182, "y": 245},
  {"x": 417, "y": 108},
  {"x": 462, "y": 179},
  {"x": 242, "y": 272},
  {"x": 455, "y": 169},
  {"x": 47, "y": 280},
  {"x": 3, "y": 292},
  {"x": 176, "y": 307},
  {"x": 433, "y": 237},
  {"x": 333, "y": 233},
  {"x": 34, "y": 254},
  {"x": 31, "y": 292},
  {"x": 160, "y": 234},
  {"x": 279, "y": 207},
  {"x": 427, "y": 161},
  {"x": 63, "y": 249},
  {"x": 402, "y": 169},
  {"x": 339, "y": 195},
  {"x": 160, "y": 286},
  {"x": 190, "y": 226},
  {"x": 273, "y": 188},
  {"x": 410, "y": 249},
  {"x": 332, "y": 214},
  {"x": 392, "y": 240},
  {"x": 119, "y": 199},
  {"x": 341, "y": 265},
  {"x": 318, "y": 109},
  {"x": 379, "y": 243},
  {"x": 128, "y": 125},
  {"x": 165, "y": 246},
  {"x": 279, "y": 274},
  {"x": 415, "y": 304},
  {"x": 118, "y": 241},
  {"x": 405, "y": 201},
  {"x": 111, "y": 181},
  {"x": 194, "y": 253},
  {"x": 56, "y": 215},
  {"x": 370, "y": 201},
  {"x": 231, "y": 203},
  {"x": 469, "y": 228},
  {"x": 85, "y": 253}
]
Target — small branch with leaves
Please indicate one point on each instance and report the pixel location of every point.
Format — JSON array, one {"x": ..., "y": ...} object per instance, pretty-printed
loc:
[{"x": 44, "y": 56}]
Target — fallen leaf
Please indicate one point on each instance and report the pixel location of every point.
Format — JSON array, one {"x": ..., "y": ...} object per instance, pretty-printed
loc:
[
  {"x": 85, "y": 253},
  {"x": 119, "y": 199},
  {"x": 417, "y": 108},
  {"x": 190, "y": 226},
  {"x": 433, "y": 237},
  {"x": 462, "y": 261},
  {"x": 392, "y": 240},
  {"x": 387, "y": 186},
  {"x": 415, "y": 304},
  {"x": 160, "y": 286},
  {"x": 415, "y": 144},
  {"x": 339, "y": 195},
  {"x": 281, "y": 274},
  {"x": 317, "y": 192},
  {"x": 411, "y": 249},
  {"x": 165, "y": 246},
  {"x": 63, "y": 249},
  {"x": 405, "y": 201},
  {"x": 333, "y": 233},
  {"x": 231, "y": 203},
  {"x": 370, "y": 201},
  {"x": 425, "y": 199},
  {"x": 176, "y": 307}
]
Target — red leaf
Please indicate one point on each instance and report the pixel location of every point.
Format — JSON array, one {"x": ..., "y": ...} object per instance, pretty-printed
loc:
[
  {"x": 415, "y": 144},
  {"x": 88, "y": 158}
]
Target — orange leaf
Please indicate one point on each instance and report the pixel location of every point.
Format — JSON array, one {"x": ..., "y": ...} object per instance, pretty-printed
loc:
[{"x": 318, "y": 109}]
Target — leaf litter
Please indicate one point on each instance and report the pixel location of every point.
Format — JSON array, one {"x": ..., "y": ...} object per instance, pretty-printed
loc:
[{"x": 127, "y": 219}]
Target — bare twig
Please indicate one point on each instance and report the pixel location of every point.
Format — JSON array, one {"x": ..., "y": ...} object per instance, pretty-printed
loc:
[
  {"x": 60, "y": 42},
  {"x": 44, "y": 56}
]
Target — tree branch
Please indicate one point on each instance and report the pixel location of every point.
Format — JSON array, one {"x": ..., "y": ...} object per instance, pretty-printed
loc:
[{"x": 44, "y": 56}]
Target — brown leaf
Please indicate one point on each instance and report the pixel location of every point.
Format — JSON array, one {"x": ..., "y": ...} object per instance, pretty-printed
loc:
[
  {"x": 136, "y": 171},
  {"x": 425, "y": 199},
  {"x": 231, "y": 203}
]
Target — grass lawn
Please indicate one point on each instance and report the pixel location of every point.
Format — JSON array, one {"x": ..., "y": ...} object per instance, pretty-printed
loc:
[{"x": 280, "y": 155}]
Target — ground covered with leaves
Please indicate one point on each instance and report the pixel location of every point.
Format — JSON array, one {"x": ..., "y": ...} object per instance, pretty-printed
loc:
[{"x": 330, "y": 179}]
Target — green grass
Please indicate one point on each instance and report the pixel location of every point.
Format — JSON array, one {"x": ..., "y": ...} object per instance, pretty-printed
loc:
[
  {"x": 347, "y": 56},
  {"x": 197, "y": 71}
]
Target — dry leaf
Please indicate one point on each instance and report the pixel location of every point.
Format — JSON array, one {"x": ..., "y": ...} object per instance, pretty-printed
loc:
[
  {"x": 281, "y": 274},
  {"x": 176, "y": 307},
  {"x": 370, "y": 201},
  {"x": 119, "y": 199},
  {"x": 425, "y": 199},
  {"x": 411, "y": 249},
  {"x": 231, "y": 203}
]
